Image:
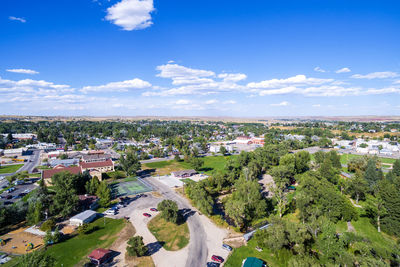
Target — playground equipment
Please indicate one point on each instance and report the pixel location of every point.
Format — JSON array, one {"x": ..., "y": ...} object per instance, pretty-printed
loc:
[
  {"x": 29, "y": 246},
  {"x": 2, "y": 242}
]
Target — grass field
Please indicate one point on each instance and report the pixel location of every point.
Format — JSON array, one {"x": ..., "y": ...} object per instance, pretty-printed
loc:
[
  {"x": 172, "y": 236},
  {"x": 211, "y": 163},
  {"x": 346, "y": 157},
  {"x": 76, "y": 249},
  {"x": 10, "y": 168},
  {"x": 127, "y": 188}
]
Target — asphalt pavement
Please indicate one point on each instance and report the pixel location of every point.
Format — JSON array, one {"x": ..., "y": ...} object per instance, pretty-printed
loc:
[
  {"x": 197, "y": 247},
  {"x": 29, "y": 165}
]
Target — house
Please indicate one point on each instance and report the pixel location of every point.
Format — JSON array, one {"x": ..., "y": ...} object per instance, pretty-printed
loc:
[
  {"x": 95, "y": 157},
  {"x": 100, "y": 256},
  {"x": 64, "y": 162},
  {"x": 16, "y": 152},
  {"x": 258, "y": 140},
  {"x": 84, "y": 217},
  {"x": 345, "y": 175},
  {"x": 47, "y": 174},
  {"x": 88, "y": 202},
  {"x": 183, "y": 174},
  {"x": 98, "y": 168}
]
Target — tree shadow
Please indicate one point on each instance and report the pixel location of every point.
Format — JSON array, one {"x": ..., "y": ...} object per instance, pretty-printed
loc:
[
  {"x": 154, "y": 247},
  {"x": 206, "y": 169},
  {"x": 184, "y": 214}
]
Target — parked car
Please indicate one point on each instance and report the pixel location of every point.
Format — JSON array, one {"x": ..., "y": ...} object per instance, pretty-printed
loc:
[
  {"x": 8, "y": 197},
  {"x": 147, "y": 215},
  {"x": 120, "y": 205},
  {"x": 8, "y": 202},
  {"x": 154, "y": 209},
  {"x": 110, "y": 212},
  {"x": 212, "y": 264},
  {"x": 217, "y": 258},
  {"x": 226, "y": 247}
]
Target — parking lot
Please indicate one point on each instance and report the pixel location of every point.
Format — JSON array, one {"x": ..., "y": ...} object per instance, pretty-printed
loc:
[{"x": 20, "y": 190}]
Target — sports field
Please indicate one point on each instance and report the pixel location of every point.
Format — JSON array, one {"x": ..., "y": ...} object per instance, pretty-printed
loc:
[{"x": 130, "y": 188}]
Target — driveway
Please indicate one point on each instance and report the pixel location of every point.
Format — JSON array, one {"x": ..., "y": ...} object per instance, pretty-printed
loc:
[{"x": 205, "y": 237}]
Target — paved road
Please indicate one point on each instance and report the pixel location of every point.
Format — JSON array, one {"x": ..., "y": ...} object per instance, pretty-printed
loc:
[
  {"x": 29, "y": 165},
  {"x": 19, "y": 189},
  {"x": 197, "y": 248}
]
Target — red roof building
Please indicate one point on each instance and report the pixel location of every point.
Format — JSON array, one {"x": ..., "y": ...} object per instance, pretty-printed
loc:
[
  {"x": 100, "y": 256},
  {"x": 97, "y": 165},
  {"x": 47, "y": 174}
]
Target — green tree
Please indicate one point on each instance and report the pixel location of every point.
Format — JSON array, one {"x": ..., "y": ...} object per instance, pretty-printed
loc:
[
  {"x": 396, "y": 168},
  {"x": 375, "y": 209},
  {"x": 302, "y": 158},
  {"x": 136, "y": 247},
  {"x": 35, "y": 213},
  {"x": 169, "y": 210},
  {"x": 357, "y": 187},
  {"x": 92, "y": 186},
  {"x": 104, "y": 193},
  {"x": 222, "y": 150},
  {"x": 371, "y": 175},
  {"x": 197, "y": 163},
  {"x": 65, "y": 199},
  {"x": 130, "y": 163},
  {"x": 36, "y": 258}
]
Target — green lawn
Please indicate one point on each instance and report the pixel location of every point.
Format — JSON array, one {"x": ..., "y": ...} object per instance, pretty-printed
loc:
[
  {"x": 346, "y": 157},
  {"x": 239, "y": 254},
  {"x": 73, "y": 250},
  {"x": 174, "y": 236},
  {"x": 10, "y": 168},
  {"x": 211, "y": 163}
]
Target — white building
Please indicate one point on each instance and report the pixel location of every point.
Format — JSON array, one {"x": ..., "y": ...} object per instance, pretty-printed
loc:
[{"x": 84, "y": 217}]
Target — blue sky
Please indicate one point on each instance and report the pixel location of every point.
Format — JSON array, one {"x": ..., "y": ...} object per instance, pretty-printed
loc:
[{"x": 211, "y": 58}]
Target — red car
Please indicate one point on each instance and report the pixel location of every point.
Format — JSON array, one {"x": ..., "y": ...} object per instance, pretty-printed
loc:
[
  {"x": 154, "y": 209},
  {"x": 217, "y": 258},
  {"x": 146, "y": 215}
]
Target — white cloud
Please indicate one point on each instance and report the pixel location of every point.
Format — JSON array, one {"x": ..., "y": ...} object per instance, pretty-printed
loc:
[
  {"x": 316, "y": 105},
  {"x": 232, "y": 77},
  {"x": 17, "y": 19},
  {"x": 318, "y": 69},
  {"x": 184, "y": 75},
  {"x": 284, "y": 90},
  {"x": 396, "y": 82},
  {"x": 131, "y": 14},
  {"x": 282, "y": 104},
  {"x": 23, "y": 71},
  {"x": 123, "y": 86},
  {"x": 343, "y": 70},
  {"x": 211, "y": 101},
  {"x": 182, "y": 102},
  {"x": 295, "y": 80},
  {"x": 376, "y": 75},
  {"x": 231, "y": 102}
]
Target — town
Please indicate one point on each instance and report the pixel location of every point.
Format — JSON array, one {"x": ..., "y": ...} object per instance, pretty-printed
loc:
[{"x": 153, "y": 192}]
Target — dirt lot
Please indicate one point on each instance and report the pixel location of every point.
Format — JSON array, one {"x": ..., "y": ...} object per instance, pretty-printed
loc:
[{"x": 16, "y": 241}]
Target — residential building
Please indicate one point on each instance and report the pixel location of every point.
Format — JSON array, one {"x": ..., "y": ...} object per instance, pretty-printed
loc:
[
  {"x": 183, "y": 174},
  {"x": 100, "y": 256},
  {"x": 86, "y": 216}
]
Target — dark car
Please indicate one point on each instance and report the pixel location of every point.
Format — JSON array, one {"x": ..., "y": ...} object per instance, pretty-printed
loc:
[
  {"x": 7, "y": 203},
  {"x": 8, "y": 197},
  {"x": 217, "y": 258},
  {"x": 147, "y": 215},
  {"x": 154, "y": 209},
  {"x": 212, "y": 264}
]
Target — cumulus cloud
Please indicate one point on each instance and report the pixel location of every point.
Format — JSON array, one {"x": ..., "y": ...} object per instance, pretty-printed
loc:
[
  {"x": 23, "y": 71},
  {"x": 182, "y": 102},
  {"x": 229, "y": 102},
  {"x": 17, "y": 19},
  {"x": 282, "y": 104},
  {"x": 123, "y": 86},
  {"x": 376, "y": 75},
  {"x": 232, "y": 77},
  {"x": 295, "y": 80},
  {"x": 184, "y": 75},
  {"x": 343, "y": 70},
  {"x": 131, "y": 14},
  {"x": 318, "y": 69},
  {"x": 316, "y": 105},
  {"x": 211, "y": 101}
]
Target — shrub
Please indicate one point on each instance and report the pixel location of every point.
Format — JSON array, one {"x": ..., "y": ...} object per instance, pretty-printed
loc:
[{"x": 48, "y": 225}]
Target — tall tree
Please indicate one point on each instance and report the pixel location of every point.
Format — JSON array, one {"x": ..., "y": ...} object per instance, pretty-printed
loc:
[
  {"x": 371, "y": 175},
  {"x": 302, "y": 158},
  {"x": 136, "y": 247},
  {"x": 65, "y": 199},
  {"x": 104, "y": 193},
  {"x": 130, "y": 163},
  {"x": 357, "y": 187}
]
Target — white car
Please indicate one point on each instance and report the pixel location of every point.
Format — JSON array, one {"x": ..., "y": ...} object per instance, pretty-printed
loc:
[{"x": 110, "y": 212}]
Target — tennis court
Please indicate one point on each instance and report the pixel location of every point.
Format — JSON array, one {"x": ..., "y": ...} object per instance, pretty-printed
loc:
[{"x": 130, "y": 188}]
